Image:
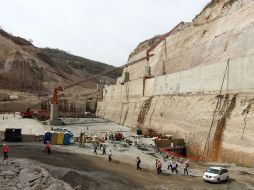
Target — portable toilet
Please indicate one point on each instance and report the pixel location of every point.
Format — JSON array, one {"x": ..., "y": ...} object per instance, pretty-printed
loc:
[
  {"x": 54, "y": 138},
  {"x": 60, "y": 138},
  {"x": 67, "y": 138},
  {"x": 47, "y": 137}
]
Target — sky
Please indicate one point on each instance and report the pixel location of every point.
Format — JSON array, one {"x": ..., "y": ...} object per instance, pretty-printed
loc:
[{"x": 101, "y": 30}]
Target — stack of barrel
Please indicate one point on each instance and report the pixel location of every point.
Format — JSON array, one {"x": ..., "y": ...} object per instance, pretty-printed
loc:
[{"x": 59, "y": 138}]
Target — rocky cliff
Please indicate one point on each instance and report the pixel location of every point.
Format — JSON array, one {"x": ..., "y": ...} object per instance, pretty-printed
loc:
[
  {"x": 26, "y": 68},
  {"x": 197, "y": 86}
]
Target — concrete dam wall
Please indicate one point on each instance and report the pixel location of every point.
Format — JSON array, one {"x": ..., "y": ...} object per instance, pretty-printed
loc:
[{"x": 197, "y": 86}]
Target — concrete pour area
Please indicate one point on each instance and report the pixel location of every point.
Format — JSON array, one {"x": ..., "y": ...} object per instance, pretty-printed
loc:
[{"x": 82, "y": 169}]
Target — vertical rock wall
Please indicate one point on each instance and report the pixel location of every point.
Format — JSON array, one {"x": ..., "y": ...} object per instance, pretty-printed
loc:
[
  {"x": 201, "y": 85},
  {"x": 216, "y": 127}
]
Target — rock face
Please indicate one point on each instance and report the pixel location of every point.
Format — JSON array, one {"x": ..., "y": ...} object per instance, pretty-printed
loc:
[
  {"x": 198, "y": 85},
  {"x": 32, "y": 73},
  {"x": 20, "y": 174},
  {"x": 21, "y": 74},
  {"x": 26, "y": 68}
]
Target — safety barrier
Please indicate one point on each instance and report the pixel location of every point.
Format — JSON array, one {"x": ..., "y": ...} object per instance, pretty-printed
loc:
[{"x": 181, "y": 156}]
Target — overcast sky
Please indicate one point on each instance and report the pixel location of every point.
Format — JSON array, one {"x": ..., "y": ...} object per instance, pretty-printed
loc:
[{"x": 102, "y": 30}]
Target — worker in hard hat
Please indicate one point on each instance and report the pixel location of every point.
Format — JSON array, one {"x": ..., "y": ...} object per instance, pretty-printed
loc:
[
  {"x": 5, "y": 151},
  {"x": 138, "y": 163}
]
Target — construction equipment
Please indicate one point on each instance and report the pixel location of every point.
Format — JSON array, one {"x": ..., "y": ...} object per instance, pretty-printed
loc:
[
  {"x": 12, "y": 135},
  {"x": 39, "y": 114},
  {"x": 29, "y": 113},
  {"x": 60, "y": 88},
  {"x": 54, "y": 99}
]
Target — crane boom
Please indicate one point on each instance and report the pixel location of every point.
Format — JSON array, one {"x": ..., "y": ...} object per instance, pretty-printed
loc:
[
  {"x": 89, "y": 78},
  {"x": 162, "y": 38}
]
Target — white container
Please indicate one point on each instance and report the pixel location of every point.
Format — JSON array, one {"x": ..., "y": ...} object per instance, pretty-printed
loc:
[{"x": 14, "y": 97}]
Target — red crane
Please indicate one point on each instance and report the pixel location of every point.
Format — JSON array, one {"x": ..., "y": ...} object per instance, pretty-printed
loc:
[
  {"x": 54, "y": 99},
  {"x": 91, "y": 77}
]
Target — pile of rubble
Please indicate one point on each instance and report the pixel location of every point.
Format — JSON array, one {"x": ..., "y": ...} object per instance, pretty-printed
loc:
[{"x": 21, "y": 174}]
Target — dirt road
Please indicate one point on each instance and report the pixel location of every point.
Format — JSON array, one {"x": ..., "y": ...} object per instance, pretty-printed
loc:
[{"x": 96, "y": 173}]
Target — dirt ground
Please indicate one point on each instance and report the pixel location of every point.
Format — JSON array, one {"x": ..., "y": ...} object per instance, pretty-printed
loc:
[
  {"x": 93, "y": 172},
  {"x": 80, "y": 166}
]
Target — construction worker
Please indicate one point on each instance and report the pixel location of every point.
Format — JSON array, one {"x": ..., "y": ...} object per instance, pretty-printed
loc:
[
  {"x": 158, "y": 166},
  {"x": 48, "y": 148},
  {"x": 138, "y": 163},
  {"x": 174, "y": 167},
  {"x": 185, "y": 168},
  {"x": 170, "y": 161},
  {"x": 95, "y": 149},
  {"x": 5, "y": 151},
  {"x": 104, "y": 150},
  {"x": 110, "y": 155}
]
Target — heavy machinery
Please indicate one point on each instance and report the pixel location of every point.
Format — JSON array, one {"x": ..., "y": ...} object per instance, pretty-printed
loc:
[
  {"x": 92, "y": 77},
  {"x": 30, "y": 113},
  {"x": 39, "y": 114}
]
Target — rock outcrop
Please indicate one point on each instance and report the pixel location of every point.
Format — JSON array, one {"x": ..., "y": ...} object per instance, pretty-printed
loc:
[
  {"x": 21, "y": 74},
  {"x": 21, "y": 174},
  {"x": 26, "y": 68}
]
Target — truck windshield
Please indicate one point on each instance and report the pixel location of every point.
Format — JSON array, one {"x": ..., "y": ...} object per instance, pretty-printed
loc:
[{"x": 213, "y": 171}]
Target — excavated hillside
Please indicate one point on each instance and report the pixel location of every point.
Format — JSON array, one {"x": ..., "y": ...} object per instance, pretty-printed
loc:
[
  {"x": 198, "y": 85},
  {"x": 31, "y": 74},
  {"x": 26, "y": 68}
]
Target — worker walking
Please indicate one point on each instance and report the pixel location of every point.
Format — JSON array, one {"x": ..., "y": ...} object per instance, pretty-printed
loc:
[
  {"x": 185, "y": 167},
  {"x": 170, "y": 160},
  {"x": 5, "y": 151},
  {"x": 95, "y": 149},
  {"x": 174, "y": 167},
  {"x": 48, "y": 148},
  {"x": 158, "y": 166},
  {"x": 138, "y": 163},
  {"x": 109, "y": 155},
  {"x": 104, "y": 150}
]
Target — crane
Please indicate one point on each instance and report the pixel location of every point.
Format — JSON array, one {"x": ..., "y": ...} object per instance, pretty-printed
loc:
[
  {"x": 91, "y": 77},
  {"x": 54, "y": 98},
  {"x": 162, "y": 38}
]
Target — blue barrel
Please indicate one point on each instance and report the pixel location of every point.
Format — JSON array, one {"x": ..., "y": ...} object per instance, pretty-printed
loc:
[
  {"x": 47, "y": 137},
  {"x": 67, "y": 138}
]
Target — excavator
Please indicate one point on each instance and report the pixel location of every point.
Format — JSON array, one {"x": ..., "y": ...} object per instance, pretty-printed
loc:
[{"x": 54, "y": 99}]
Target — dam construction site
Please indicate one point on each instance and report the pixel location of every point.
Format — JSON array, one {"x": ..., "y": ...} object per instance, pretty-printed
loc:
[{"x": 178, "y": 115}]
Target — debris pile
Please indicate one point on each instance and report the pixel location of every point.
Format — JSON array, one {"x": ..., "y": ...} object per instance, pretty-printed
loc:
[{"x": 21, "y": 174}]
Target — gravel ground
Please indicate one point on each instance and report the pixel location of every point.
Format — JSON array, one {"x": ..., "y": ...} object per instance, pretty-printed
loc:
[{"x": 80, "y": 166}]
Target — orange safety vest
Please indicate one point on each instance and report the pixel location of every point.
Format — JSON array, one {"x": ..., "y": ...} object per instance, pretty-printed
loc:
[
  {"x": 6, "y": 149},
  {"x": 48, "y": 146}
]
